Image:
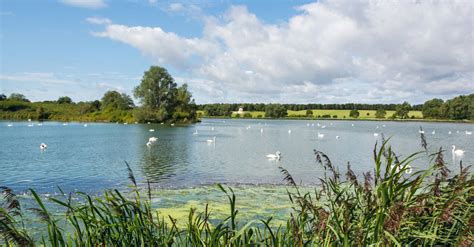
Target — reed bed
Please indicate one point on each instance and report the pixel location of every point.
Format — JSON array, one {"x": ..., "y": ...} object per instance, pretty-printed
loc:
[{"x": 384, "y": 207}]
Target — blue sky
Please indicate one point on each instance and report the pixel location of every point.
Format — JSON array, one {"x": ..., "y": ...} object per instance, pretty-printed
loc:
[{"x": 240, "y": 51}]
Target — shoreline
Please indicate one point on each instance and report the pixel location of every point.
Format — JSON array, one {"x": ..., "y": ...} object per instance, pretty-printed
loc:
[{"x": 351, "y": 119}]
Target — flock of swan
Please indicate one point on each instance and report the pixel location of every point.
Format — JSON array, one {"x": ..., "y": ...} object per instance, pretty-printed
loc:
[{"x": 277, "y": 155}]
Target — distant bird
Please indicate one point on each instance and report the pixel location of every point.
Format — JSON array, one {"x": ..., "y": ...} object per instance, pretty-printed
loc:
[
  {"x": 312, "y": 125},
  {"x": 324, "y": 126},
  {"x": 289, "y": 131},
  {"x": 148, "y": 122},
  {"x": 449, "y": 132},
  {"x": 468, "y": 132},
  {"x": 457, "y": 131},
  {"x": 376, "y": 134},
  {"x": 43, "y": 146},
  {"x": 307, "y": 125},
  {"x": 212, "y": 129},
  {"x": 85, "y": 125},
  {"x": 30, "y": 125},
  {"x": 10, "y": 125},
  {"x": 377, "y": 127},
  {"x": 162, "y": 123},
  {"x": 29, "y": 119},
  {"x": 195, "y": 132},
  {"x": 383, "y": 125},
  {"x": 352, "y": 125},
  {"x": 421, "y": 131},
  {"x": 318, "y": 124},
  {"x": 276, "y": 156},
  {"x": 172, "y": 124},
  {"x": 457, "y": 152},
  {"x": 320, "y": 136},
  {"x": 148, "y": 144},
  {"x": 64, "y": 124},
  {"x": 261, "y": 130},
  {"x": 152, "y": 139},
  {"x": 151, "y": 130},
  {"x": 433, "y": 132},
  {"x": 337, "y": 137},
  {"x": 40, "y": 124},
  {"x": 213, "y": 140}
]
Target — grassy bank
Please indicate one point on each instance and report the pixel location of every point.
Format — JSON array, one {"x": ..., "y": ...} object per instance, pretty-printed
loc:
[
  {"x": 387, "y": 206},
  {"x": 326, "y": 114}
]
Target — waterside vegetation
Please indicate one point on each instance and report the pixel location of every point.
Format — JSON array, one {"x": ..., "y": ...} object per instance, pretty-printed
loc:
[
  {"x": 162, "y": 100},
  {"x": 387, "y": 206}
]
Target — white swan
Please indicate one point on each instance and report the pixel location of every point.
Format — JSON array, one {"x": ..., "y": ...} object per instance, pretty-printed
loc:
[
  {"x": 195, "y": 132},
  {"x": 312, "y": 125},
  {"x": 352, "y": 125},
  {"x": 324, "y": 126},
  {"x": 148, "y": 123},
  {"x": 152, "y": 139},
  {"x": 30, "y": 125},
  {"x": 148, "y": 144},
  {"x": 457, "y": 152},
  {"x": 449, "y": 132},
  {"x": 213, "y": 140},
  {"x": 468, "y": 132},
  {"x": 151, "y": 130},
  {"x": 307, "y": 125},
  {"x": 320, "y": 136},
  {"x": 64, "y": 124},
  {"x": 383, "y": 125},
  {"x": 421, "y": 131},
  {"x": 337, "y": 137},
  {"x": 212, "y": 129},
  {"x": 376, "y": 134},
  {"x": 433, "y": 132},
  {"x": 289, "y": 131},
  {"x": 85, "y": 125},
  {"x": 172, "y": 124},
  {"x": 43, "y": 146},
  {"x": 276, "y": 156},
  {"x": 10, "y": 125},
  {"x": 261, "y": 130}
]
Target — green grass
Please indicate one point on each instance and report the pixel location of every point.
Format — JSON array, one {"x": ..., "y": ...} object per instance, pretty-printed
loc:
[
  {"x": 341, "y": 114},
  {"x": 386, "y": 207}
]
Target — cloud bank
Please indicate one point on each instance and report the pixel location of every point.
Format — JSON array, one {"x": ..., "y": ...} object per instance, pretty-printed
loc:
[{"x": 330, "y": 51}]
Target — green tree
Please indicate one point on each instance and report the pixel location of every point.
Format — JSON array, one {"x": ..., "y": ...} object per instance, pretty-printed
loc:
[
  {"x": 64, "y": 100},
  {"x": 402, "y": 110},
  {"x": 113, "y": 100},
  {"x": 380, "y": 113},
  {"x": 354, "y": 113},
  {"x": 275, "y": 111},
  {"x": 157, "y": 90},
  {"x": 3, "y": 97},
  {"x": 18, "y": 97},
  {"x": 432, "y": 108},
  {"x": 309, "y": 113}
]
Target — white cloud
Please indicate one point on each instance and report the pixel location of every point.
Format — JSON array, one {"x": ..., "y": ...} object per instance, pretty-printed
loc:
[
  {"x": 99, "y": 21},
  {"x": 90, "y": 4},
  {"x": 176, "y": 7},
  {"x": 331, "y": 51}
]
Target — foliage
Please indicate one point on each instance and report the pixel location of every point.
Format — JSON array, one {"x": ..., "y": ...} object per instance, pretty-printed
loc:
[
  {"x": 432, "y": 207},
  {"x": 3, "y": 97},
  {"x": 380, "y": 113},
  {"x": 64, "y": 100},
  {"x": 275, "y": 111},
  {"x": 158, "y": 92},
  {"x": 309, "y": 113},
  {"x": 113, "y": 100},
  {"x": 354, "y": 113},
  {"x": 18, "y": 97},
  {"x": 402, "y": 110}
]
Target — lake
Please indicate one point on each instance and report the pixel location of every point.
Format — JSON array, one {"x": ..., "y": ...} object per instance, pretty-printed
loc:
[{"x": 92, "y": 158}]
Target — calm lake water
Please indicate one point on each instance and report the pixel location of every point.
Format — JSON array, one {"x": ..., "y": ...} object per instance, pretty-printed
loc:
[{"x": 92, "y": 158}]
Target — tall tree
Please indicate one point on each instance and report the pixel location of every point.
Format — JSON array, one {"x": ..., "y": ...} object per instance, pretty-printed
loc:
[
  {"x": 18, "y": 96},
  {"x": 402, "y": 110},
  {"x": 64, "y": 100}
]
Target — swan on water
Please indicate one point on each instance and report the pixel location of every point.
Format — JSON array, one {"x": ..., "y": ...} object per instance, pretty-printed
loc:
[
  {"x": 276, "y": 156},
  {"x": 10, "y": 125},
  {"x": 457, "y": 131},
  {"x": 376, "y": 134},
  {"x": 307, "y": 125},
  {"x": 29, "y": 119},
  {"x": 377, "y": 127},
  {"x": 152, "y": 139},
  {"x": 151, "y": 130},
  {"x": 212, "y": 129},
  {"x": 213, "y": 140},
  {"x": 383, "y": 125},
  {"x": 64, "y": 124},
  {"x": 449, "y": 132},
  {"x": 85, "y": 125},
  {"x": 312, "y": 125},
  {"x": 468, "y": 132},
  {"x": 148, "y": 123},
  {"x": 337, "y": 137},
  {"x": 289, "y": 131},
  {"x": 172, "y": 124},
  {"x": 324, "y": 126},
  {"x": 421, "y": 131},
  {"x": 457, "y": 152},
  {"x": 261, "y": 130},
  {"x": 30, "y": 125},
  {"x": 433, "y": 132},
  {"x": 195, "y": 132},
  {"x": 148, "y": 144},
  {"x": 352, "y": 125},
  {"x": 320, "y": 136},
  {"x": 43, "y": 146}
]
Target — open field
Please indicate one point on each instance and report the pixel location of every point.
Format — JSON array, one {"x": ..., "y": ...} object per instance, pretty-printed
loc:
[{"x": 340, "y": 114}]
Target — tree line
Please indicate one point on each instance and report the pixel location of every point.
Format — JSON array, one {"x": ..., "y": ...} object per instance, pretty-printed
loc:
[{"x": 161, "y": 100}]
